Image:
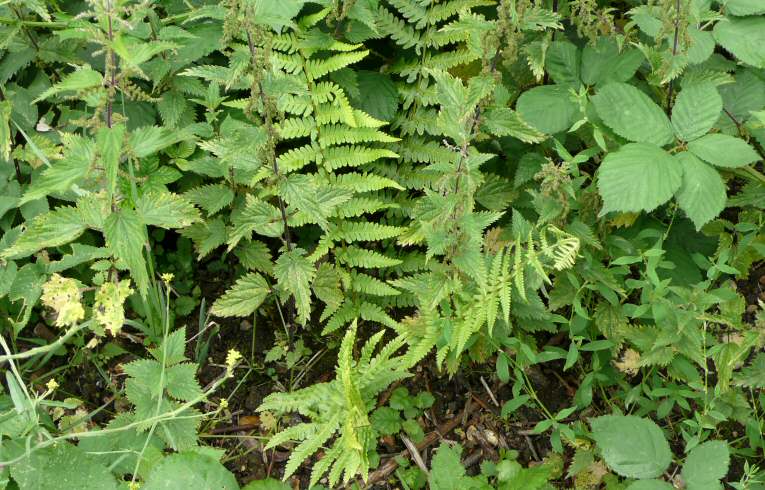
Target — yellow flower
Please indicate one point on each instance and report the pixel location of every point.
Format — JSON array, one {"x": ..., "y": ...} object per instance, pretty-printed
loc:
[
  {"x": 52, "y": 384},
  {"x": 223, "y": 404},
  {"x": 134, "y": 485},
  {"x": 232, "y": 358},
  {"x": 168, "y": 277}
]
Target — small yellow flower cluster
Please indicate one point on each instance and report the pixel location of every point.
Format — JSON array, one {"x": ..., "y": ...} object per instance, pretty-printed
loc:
[
  {"x": 232, "y": 359},
  {"x": 168, "y": 277},
  {"x": 108, "y": 306},
  {"x": 62, "y": 295},
  {"x": 51, "y": 385}
]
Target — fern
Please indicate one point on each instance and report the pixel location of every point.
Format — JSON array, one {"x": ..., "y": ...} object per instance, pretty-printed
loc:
[{"x": 341, "y": 405}]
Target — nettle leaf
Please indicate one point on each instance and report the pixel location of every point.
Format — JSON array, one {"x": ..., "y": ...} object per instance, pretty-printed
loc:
[
  {"x": 81, "y": 79},
  {"x": 212, "y": 198},
  {"x": 507, "y": 122},
  {"x": 548, "y": 108},
  {"x": 705, "y": 465},
  {"x": 744, "y": 38},
  {"x": 166, "y": 210},
  {"x": 754, "y": 374},
  {"x": 294, "y": 273},
  {"x": 190, "y": 470},
  {"x": 48, "y": 230},
  {"x": 148, "y": 140},
  {"x": 109, "y": 142},
  {"x": 633, "y": 447},
  {"x": 126, "y": 236},
  {"x": 696, "y": 110},
  {"x": 244, "y": 298},
  {"x": 723, "y": 150},
  {"x": 638, "y": 177},
  {"x": 702, "y": 194},
  {"x": 632, "y": 114}
]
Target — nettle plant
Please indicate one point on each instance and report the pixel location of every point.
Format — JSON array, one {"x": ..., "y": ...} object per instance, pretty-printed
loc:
[{"x": 456, "y": 179}]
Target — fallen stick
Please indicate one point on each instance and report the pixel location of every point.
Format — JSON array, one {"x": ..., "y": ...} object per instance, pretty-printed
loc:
[{"x": 390, "y": 466}]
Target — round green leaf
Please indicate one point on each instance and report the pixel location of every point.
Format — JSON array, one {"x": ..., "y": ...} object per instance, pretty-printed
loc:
[
  {"x": 745, "y": 7},
  {"x": 702, "y": 45},
  {"x": 63, "y": 466},
  {"x": 632, "y": 446},
  {"x": 702, "y": 194},
  {"x": 182, "y": 471},
  {"x": 744, "y": 38},
  {"x": 562, "y": 63},
  {"x": 723, "y": 150},
  {"x": 706, "y": 464},
  {"x": 638, "y": 177},
  {"x": 696, "y": 110},
  {"x": 548, "y": 108},
  {"x": 650, "y": 485},
  {"x": 267, "y": 484},
  {"x": 632, "y": 114}
]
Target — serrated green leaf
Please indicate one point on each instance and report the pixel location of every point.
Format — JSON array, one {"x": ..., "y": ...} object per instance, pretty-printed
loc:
[
  {"x": 633, "y": 447},
  {"x": 705, "y": 465},
  {"x": 744, "y": 38},
  {"x": 81, "y": 79},
  {"x": 507, "y": 122},
  {"x": 181, "y": 382},
  {"x": 638, "y": 177},
  {"x": 109, "y": 142},
  {"x": 61, "y": 466},
  {"x": 243, "y": 298},
  {"x": 48, "y": 230},
  {"x": 562, "y": 62},
  {"x": 723, "y": 150},
  {"x": 126, "y": 237},
  {"x": 212, "y": 198},
  {"x": 294, "y": 273},
  {"x": 166, "y": 210},
  {"x": 702, "y": 194},
  {"x": 696, "y": 110},
  {"x": 190, "y": 470},
  {"x": 632, "y": 114},
  {"x": 548, "y": 108}
]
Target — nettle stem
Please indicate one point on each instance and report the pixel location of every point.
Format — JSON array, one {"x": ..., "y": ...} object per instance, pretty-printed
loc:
[
  {"x": 111, "y": 65},
  {"x": 674, "y": 52}
]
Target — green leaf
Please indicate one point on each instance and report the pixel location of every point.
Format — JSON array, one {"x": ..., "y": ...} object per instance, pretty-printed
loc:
[
  {"x": 267, "y": 484},
  {"x": 59, "y": 467},
  {"x": 294, "y": 273},
  {"x": 744, "y": 38},
  {"x": 386, "y": 421},
  {"x": 379, "y": 95},
  {"x": 126, "y": 237},
  {"x": 189, "y": 470},
  {"x": 166, "y": 210},
  {"x": 212, "y": 198},
  {"x": 754, "y": 374},
  {"x": 109, "y": 142},
  {"x": 80, "y": 79},
  {"x": 702, "y": 195},
  {"x": 507, "y": 122},
  {"x": 723, "y": 150},
  {"x": 148, "y": 140},
  {"x": 650, "y": 485},
  {"x": 696, "y": 110},
  {"x": 604, "y": 62},
  {"x": 181, "y": 382},
  {"x": 562, "y": 62},
  {"x": 705, "y": 465},
  {"x": 48, "y": 230},
  {"x": 638, "y": 177},
  {"x": 276, "y": 14},
  {"x": 633, "y": 447},
  {"x": 632, "y": 114},
  {"x": 243, "y": 298},
  {"x": 745, "y": 7},
  {"x": 548, "y": 108}
]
